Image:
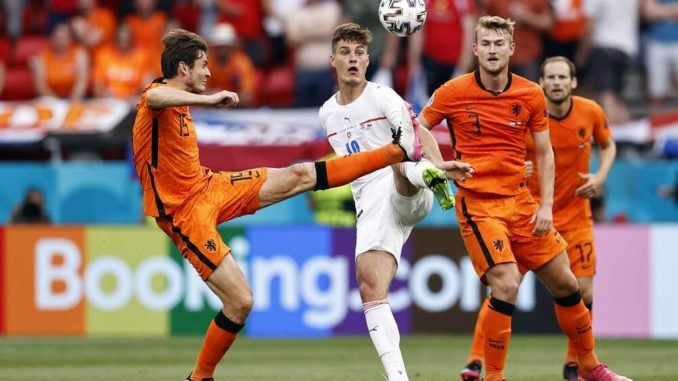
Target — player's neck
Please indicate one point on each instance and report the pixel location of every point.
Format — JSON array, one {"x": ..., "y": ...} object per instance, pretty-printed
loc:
[
  {"x": 558, "y": 111},
  {"x": 176, "y": 83},
  {"x": 348, "y": 94},
  {"x": 494, "y": 82}
]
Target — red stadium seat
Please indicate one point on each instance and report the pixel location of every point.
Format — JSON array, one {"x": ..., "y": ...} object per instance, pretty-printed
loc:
[
  {"x": 18, "y": 85},
  {"x": 277, "y": 89},
  {"x": 27, "y": 47},
  {"x": 4, "y": 50}
]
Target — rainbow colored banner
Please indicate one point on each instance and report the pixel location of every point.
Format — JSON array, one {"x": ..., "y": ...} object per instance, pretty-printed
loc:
[{"x": 131, "y": 281}]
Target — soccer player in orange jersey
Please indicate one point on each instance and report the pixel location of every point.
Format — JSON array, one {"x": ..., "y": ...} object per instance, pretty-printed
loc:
[
  {"x": 188, "y": 201},
  {"x": 505, "y": 231},
  {"x": 574, "y": 122}
]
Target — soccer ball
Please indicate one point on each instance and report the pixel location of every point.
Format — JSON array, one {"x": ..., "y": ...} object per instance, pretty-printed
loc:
[{"x": 402, "y": 17}]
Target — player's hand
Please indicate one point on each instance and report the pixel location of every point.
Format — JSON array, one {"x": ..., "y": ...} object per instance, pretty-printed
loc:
[
  {"x": 543, "y": 221},
  {"x": 223, "y": 99},
  {"x": 456, "y": 170},
  {"x": 593, "y": 186},
  {"x": 529, "y": 168}
]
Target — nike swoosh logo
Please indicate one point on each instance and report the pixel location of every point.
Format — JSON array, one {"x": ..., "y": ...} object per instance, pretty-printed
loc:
[{"x": 374, "y": 329}]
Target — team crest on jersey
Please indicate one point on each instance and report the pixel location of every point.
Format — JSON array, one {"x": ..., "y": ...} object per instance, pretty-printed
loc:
[
  {"x": 211, "y": 245},
  {"x": 516, "y": 108},
  {"x": 498, "y": 244}
]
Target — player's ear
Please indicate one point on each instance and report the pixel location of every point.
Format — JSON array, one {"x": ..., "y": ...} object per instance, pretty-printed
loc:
[
  {"x": 574, "y": 83},
  {"x": 512, "y": 48},
  {"x": 332, "y": 61},
  {"x": 474, "y": 47},
  {"x": 183, "y": 68}
]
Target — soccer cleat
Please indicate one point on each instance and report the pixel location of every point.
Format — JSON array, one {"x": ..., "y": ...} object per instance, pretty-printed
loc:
[
  {"x": 472, "y": 371},
  {"x": 601, "y": 373},
  {"x": 436, "y": 180},
  {"x": 407, "y": 137},
  {"x": 571, "y": 371},
  {"x": 188, "y": 378}
]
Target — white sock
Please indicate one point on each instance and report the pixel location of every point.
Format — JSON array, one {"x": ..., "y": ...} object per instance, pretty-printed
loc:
[
  {"x": 413, "y": 171},
  {"x": 386, "y": 338}
]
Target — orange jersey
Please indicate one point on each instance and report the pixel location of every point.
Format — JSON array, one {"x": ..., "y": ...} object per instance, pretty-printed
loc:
[
  {"x": 488, "y": 128},
  {"x": 61, "y": 71},
  {"x": 120, "y": 73},
  {"x": 166, "y": 156},
  {"x": 571, "y": 138}
]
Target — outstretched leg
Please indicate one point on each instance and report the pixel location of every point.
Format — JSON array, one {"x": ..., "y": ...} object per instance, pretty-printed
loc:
[{"x": 283, "y": 183}]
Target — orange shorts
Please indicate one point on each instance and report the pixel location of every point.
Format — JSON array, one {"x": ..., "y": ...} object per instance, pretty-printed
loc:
[
  {"x": 193, "y": 226},
  {"x": 581, "y": 251},
  {"x": 498, "y": 230}
]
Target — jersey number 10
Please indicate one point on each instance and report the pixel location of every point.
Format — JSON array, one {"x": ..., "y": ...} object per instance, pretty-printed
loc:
[{"x": 352, "y": 147}]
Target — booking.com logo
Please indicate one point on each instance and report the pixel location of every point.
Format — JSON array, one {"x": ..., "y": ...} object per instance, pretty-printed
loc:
[{"x": 317, "y": 287}]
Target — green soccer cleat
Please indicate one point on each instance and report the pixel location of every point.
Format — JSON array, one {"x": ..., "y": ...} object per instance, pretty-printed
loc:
[{"x": 436, "y": 180}]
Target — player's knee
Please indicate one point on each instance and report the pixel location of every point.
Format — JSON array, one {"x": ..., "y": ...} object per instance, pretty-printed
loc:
[
  {"x": 587, "y": 296},
  {"x": 566, "y": 285},
  {"x": 244, "y": 303},
  {"x": 506, "y": 290},
  {"x": 370, "y": 292}
]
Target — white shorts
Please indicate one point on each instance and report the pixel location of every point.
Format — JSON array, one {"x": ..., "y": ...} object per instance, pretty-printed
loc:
[{"x": 386, "y": 218}]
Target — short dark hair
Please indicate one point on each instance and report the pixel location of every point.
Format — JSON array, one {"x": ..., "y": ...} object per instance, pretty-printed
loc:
[
  {"x": 351, "y": 32},
  {"x": 180, "y": 45},
  {"x": 570, "y": 64}
]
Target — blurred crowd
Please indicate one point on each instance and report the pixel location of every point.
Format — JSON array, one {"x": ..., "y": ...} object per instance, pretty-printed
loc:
[{"x": 276, "y": 52}]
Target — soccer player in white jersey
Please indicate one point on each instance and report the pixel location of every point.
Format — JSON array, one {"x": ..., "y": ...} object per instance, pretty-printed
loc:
[{"x": 362, "y": 116}]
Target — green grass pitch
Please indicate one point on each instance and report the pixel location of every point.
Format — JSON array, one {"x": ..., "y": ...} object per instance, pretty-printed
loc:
[{"x": 428, "y": 358}]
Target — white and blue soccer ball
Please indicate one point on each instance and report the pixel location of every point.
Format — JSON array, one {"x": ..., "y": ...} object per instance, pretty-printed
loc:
[{"x": 402, "y": 17}]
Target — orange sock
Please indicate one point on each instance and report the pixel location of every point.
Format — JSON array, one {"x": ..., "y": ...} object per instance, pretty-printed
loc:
[
  {"x": 220, "y": 335},
  {"x": 496, "y": 338},
  {"x": 575, "y": 321},
  {"x": 477, "y": 346},
  {"x": 571, "y": 352},
  {"x": 342, "y": 170}
]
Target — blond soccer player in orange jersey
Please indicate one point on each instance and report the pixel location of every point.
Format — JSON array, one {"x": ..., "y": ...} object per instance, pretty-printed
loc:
[
  {"x": 574, "y": 123},
  {"x": 505, "y": 231},
  {"x": 188, "y": 201}
]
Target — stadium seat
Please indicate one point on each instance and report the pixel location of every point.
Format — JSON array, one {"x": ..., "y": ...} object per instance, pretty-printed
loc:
[
  {"x": 27, "y": 47},
  {"x": 278, "y": 87},
  {"x": 18, "y": 85},
  {"x": 4, "y": 50}
]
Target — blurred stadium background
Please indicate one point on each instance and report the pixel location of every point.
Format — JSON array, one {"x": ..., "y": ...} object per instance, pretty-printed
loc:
[{"x": 78, "y": 259}]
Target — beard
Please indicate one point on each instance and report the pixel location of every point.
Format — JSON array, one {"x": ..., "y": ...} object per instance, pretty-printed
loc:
[{"x": 566, "y": 96}]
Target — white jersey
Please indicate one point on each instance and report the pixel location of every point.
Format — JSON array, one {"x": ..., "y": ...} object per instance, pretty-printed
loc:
[{"x": 362, "y": 125}]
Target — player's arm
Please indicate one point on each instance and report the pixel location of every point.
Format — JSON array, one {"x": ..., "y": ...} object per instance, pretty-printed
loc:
[
  {"x": 165, "y": 96},
  {"x": 543, "y": 218},
  {"x": 595, "y": 181},
  {"x": 455, "y": 170}
]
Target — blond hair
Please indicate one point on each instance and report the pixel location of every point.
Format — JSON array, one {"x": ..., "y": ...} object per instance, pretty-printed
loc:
[
  {"x": 351, "y": 32},
  {"x": 498, "y": 24}
]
